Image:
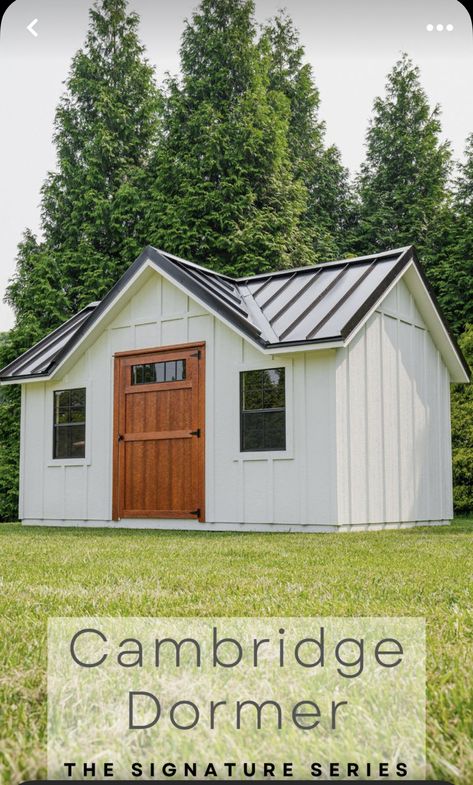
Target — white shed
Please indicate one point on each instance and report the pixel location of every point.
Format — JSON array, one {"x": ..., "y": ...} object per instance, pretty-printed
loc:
[{"x": 312, "y": 399}]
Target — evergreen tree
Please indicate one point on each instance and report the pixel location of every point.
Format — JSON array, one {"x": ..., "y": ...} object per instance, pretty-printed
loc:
[
  {"x": 9, "y": 442},
  {"x": 462, "y": 434},
  {"x": 224, "y": 192},
  {"x": 452, "y": 273},
  {"x": 91, "y": 207},
  {"x": 105, "y": 126},
  {"x": 328, "y": 211},
  {"x": 35, "y": 295},
  {"x": 403, "y": 181}
]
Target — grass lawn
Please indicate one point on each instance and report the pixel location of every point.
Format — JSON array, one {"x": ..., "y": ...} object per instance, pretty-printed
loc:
[{"x": 71, "y": 572}]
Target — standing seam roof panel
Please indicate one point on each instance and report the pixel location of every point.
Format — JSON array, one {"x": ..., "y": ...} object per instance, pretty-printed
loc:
[
  {"x": 291, "y": 307},
  {"x": 306, "y": 297},
  {"x": 338, "y": 320}
]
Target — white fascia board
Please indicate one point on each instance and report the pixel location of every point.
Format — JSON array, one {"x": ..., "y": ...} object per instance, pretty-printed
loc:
[
  {"x": 10, "y": 382},
  {"x": 303, "y": 347}
]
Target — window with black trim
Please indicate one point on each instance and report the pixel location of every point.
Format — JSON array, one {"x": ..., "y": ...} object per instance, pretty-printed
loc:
[
  {"x": 155, "y": 373},
  {"x": 263, "y": 410},
  {"x": 69, "y": 423}
]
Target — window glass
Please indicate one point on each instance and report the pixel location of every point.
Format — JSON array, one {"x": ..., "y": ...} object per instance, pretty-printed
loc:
[
  {"x": 69, "y": 423},
  {"x": 263, "y": 410},
  {"x": 154, "y": 373}
]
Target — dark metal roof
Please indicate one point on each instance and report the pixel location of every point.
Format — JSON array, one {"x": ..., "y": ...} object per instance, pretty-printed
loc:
[
  {"x": 38, "y": 360},
  {"x": 311, "y": 305}
]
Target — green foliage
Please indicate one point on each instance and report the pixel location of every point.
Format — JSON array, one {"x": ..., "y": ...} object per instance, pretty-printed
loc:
[
  {"x": 38, "y": 304},
  {"x": 403, "y": 181},
  {"x": 91, "y": 207},
  {"x": 9, "y": 452},
  {"x": 452, "y": 248},
  {"x": 112, "y": 572},
  {"x": 405, "y": 196},
  {"x": 229, "y": 168},
  {"x": 35, "y": 294},
  {"x": 462, "y": 434},
  {"x": 225, "y": 191},
  {"x": 328, "y": 208},
  {"x": 105, "y": 126}
]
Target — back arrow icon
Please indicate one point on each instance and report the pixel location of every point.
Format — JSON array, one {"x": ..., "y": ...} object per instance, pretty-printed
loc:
[{"x": 31, "y": 29}]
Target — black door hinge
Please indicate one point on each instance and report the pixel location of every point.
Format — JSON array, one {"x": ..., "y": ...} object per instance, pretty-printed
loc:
[
  {"x": 196, "y": 512},
  {"x": 196, "y": 354},
  {"x": 196, "y": 433}
]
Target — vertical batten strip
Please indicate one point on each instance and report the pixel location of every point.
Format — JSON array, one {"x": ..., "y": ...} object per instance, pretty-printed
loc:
[
  {"x": 438, "y": 428},
  {"x": 430, "y": 485},
  {"x": 398, "y": 420},
  {"x": 332, "y": 408},
  {"x": 270, "y": 491},
  {"x": 109, "y": 425},
  {"x": 448, "y": 448},
  {"x": 382, "y": 416},
  {"x": 415, "y": 467},
  {"x": 300, "y": 436},
  {"x": 210, "y": 444},
  {"x": 348, "y": 433},
  {"x": 47, "y": 446},
  {"x": 23, "y": 447},
  {"x": 368, "y": 485}
]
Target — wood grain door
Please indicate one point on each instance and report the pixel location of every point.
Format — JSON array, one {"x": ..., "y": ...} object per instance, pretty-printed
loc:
[{"x": 158, "y": 464}]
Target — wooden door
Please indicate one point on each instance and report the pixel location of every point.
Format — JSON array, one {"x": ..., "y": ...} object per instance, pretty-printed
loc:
[{"x": 158, "y": 464}]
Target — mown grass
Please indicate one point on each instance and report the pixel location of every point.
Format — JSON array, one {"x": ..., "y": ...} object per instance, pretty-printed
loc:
[{"x": 66, "y": 572}]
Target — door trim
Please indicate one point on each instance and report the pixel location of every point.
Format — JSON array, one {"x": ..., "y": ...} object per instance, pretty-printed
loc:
[{"x": 117, "y": 394}]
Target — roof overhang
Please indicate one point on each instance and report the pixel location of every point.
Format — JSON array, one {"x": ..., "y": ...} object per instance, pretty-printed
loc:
[
  {"x": 188, "y": 278},
  {"x": 148, "y": 263}
]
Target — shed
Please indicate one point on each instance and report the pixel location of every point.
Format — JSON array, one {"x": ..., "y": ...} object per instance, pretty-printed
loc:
[{"x": 311, "y": 399}]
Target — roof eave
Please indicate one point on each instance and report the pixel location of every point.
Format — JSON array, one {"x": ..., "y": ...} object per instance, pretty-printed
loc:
[
  {"x": 44, "y": 342},
  {"x": 10, "y": 380},
  {"x": 234, "y": 316},
  {"x": 151, "y": 258}
]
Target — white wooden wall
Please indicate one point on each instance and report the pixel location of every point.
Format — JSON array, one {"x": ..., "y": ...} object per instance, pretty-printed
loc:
[
  {"x": 393, "y": 421},
  {"x": 288, "y": 488}
]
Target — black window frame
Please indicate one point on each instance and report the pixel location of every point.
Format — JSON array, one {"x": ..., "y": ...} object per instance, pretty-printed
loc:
[
  {"x": 69, "y": 424},
  {"x": 180, "y": 375},
  {"x": 263, "y": 411}
]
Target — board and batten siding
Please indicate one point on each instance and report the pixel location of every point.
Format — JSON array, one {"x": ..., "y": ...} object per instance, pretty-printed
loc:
[
  {"x": 277, "y": 490},
  {"x": 393, "y": 421}
]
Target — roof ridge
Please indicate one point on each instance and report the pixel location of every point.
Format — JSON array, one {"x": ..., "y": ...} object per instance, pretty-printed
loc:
[
  {"x": 350, "y": 260},
  {"x": 174, "y": 258},
  {"x": 236, "y": 301}
]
